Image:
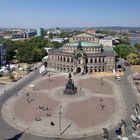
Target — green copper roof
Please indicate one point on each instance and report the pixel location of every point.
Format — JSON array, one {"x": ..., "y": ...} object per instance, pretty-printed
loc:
[{"x": 83, "y": 43}]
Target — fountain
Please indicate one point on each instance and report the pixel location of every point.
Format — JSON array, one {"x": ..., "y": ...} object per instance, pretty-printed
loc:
[{"x": 70, "y": 88}]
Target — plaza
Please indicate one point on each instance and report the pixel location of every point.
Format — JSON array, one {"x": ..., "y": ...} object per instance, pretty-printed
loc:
[{"x": 47, "y": 112}]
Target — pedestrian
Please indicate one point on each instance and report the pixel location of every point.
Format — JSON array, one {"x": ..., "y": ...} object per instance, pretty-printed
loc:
[
  {"x": 52, "y": 124},
  {"x": 102, "y": 107}
]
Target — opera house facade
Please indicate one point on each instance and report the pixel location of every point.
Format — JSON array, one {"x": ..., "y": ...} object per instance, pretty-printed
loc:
[{"x": 83, "y": 54}]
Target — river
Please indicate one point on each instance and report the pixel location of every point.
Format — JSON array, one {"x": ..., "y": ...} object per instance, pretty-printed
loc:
[{"x": 134, "y": 40}]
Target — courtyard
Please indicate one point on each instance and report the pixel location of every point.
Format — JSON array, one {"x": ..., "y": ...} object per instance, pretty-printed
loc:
[{"x": 44, "y": 110}]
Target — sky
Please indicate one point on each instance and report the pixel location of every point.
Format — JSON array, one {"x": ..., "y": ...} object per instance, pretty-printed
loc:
[{"x": 69, "y": 13}]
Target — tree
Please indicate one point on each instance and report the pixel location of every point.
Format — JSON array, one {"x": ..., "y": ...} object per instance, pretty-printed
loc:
[
  {"x": 137, "y": 46},
  {"x": 133, "y": 58},
  {"x": 11, "y": 77},
  {"x": 32, "y": 50},
  {"x": 124, "y": 50},
  {"x": 64, "y": 35},
  {"x": 57, "y": 44},
  {"x": 10, "y": 46},
  {"x": 50, "y": 35},
  {"x": 124, "y": 40}
]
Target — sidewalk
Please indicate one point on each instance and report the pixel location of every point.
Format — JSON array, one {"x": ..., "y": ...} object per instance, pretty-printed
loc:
[
  {"x": 11, "y": 85},
  {"x": 133, "y": 85}
]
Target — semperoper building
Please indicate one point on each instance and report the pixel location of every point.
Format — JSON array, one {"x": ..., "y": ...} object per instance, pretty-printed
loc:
[{"x": 83, "y": 54}]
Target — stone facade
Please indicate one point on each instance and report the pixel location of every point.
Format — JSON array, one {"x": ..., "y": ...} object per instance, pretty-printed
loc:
[{"x": 82, "y": 57}]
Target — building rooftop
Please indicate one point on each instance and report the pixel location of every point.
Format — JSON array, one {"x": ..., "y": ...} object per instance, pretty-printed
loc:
[
  {"x": 83, "y": 43},
  {"x": 83, "y": 35}
]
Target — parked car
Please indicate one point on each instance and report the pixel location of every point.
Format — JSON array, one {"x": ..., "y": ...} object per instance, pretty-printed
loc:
[{"x": 118, "y": 77}]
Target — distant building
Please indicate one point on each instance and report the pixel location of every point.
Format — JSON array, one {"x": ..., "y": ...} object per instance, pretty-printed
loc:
[
  {"x": 106, "y": 41},
  {"x": 2, "y": 55},
  {"x": 40, "y": 32},
  {"x": 30, "y": 34},
  {"x": 90, "y": 31},
  {"x": 48, "y": 49},
  {"x": 60, "y": 40},
  {"x": 84, "y": 37},
  {"x": 17, "y": 36},
  {"x": 57, "y": 30}
]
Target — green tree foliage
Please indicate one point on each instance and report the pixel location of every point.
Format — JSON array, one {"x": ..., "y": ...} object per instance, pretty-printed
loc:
[
  {"x": 133, "y": 58},
  {"x": 57, "y": 44},
  {"x": 124, "y": 50},
  {"x": 51, "y": 36},
  {"x": 137, "y": 46},
  {"x": 10, "y": 46},
  {"x": 64, "y": 35},
  {"x": 124, "y": 40},
  {"x": 32, "y": 50},
  {"x": 11, "y": 77}
]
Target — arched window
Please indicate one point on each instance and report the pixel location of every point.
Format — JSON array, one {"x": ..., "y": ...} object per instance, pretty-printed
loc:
[
  {"x": 64, "y": 59},
  {"x": 91, "y": 60},
  {"x": 95, "y": 69},
  {"x": 103, "y": 59},
  {"x": 71, "y": 60},
  {"x": 99, "y": 69},
  {"x": 91, "y": 69},
  {"x": 68, "y": 60},
  {"x": 99, "y": 60},
  {"x": 103, "y": 68},
  {"x": 95, "y": 60}
]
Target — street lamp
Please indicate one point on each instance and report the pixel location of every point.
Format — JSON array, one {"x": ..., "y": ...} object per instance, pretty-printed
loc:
[
  {"x": 60, "y": 113},
  {"x": 28, "y": 97}
]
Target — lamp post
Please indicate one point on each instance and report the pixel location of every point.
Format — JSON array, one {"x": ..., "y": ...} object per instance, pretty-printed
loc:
[
  {"x": 49, "y": 77},
  {"x": 60, "y": 112},
  {"x": 28, "y": 97}
]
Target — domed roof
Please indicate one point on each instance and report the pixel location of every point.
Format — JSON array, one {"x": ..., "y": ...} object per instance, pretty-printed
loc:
[{"x": 83, "y": 44}]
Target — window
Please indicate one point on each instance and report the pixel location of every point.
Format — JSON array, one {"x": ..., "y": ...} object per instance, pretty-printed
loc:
[
  {"x": 68, "y": 60},
  {"x": 95, "y": 69},
  {"x": 91, "y": 60},
  {"x": 99, "y": 60},
  {"x": 71, "y": 60},
  {"x": 95, "y": 60}
]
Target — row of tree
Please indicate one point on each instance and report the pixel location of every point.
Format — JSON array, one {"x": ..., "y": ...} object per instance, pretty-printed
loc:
[
  {"x": 129, "y": 53},
  {"x": 31, "y": 50}
]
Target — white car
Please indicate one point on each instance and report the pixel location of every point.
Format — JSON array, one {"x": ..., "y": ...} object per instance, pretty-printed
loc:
[{"x": 118, "y": 77}]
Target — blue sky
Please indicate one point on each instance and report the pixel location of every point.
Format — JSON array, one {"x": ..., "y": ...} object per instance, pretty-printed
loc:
[{"x": 69, "y": 13}]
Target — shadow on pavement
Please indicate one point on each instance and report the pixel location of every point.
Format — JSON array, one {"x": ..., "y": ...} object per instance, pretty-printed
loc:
[{"x": 17, "y": 136}]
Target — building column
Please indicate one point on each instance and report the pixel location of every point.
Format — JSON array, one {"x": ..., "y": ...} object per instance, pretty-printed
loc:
[
  {"x": 88, "y": 60},
  {"x": 97, "y": 60}
]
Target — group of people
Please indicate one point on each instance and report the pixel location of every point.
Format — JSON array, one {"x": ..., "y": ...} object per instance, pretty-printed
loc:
[{"x": 44, "y": 108}]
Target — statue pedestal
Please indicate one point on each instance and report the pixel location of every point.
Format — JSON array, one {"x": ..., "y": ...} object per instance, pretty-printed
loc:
[
  {"x": 69, "y": 92},
  {"x": 70, "y": 88}
]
